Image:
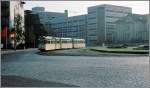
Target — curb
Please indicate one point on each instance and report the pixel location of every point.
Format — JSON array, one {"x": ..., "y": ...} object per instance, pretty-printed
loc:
[{"x": 15, "y": 51}]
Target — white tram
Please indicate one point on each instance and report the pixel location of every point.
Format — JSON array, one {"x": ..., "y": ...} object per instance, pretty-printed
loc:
[
  {"x": 78, "y": 43},
  {"x": 53, "y": 43}
]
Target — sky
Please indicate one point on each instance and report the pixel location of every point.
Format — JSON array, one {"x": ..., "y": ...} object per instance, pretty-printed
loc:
[{"x": 80, "y": 7}]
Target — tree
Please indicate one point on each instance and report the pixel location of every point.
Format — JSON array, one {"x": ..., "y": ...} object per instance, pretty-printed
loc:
[{"x": 19, "y": 32}]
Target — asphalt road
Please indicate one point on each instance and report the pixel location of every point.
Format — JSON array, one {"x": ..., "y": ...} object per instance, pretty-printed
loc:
[{"x": 84, "y": 71}]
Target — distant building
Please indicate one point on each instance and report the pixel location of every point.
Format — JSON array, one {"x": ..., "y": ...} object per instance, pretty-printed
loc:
[
  {"x": 98, "y": 27},
  {"x": 38, "y": 9},
  {"x": 33, "y": 29},
  {"x": 101, "y": 23},
  {"x": 59, "y": 25},
  {"x": 9, "y": 10},
  {"x": 133, "y": 29},
  {"x": 74, "y": 27},
  {"x": 46, "y": 17}
]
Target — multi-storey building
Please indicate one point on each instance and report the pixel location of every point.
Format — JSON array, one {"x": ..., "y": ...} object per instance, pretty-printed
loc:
[
  {"x": 98, "y": 27},
  {"x": 46, "y": 17},
  {"x": 77, "y": 26},
  {"x": 74, "y": 27},
  {"x": 133, "y": 28},
  {"x": 38, "y": 9},
  {"x": 10, "y": 10},
  {"x": 59, "y": 25},
  {"x": 101, "y": 23}
]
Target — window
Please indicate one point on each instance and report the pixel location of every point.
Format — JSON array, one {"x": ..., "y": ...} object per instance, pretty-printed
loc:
[
  {"x": 117, "y": 11},
  {"x": 48, "y": 42},
  {"x": 92, "y": 29},
  {"x": 92, "y": 35},
  {"x": 112, "y": 17},
  {"x": 91, "y": 12},
  {"x": 91, "y": 17},
  {"x": 110, "y": 22},
  {"x": 91, "y": 23}
]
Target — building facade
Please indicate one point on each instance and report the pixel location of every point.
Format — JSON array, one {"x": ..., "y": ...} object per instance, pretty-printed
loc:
[
  {"x": 38, "y": 9},
  {"x": 133, "y": 29},
  {"x": 33, "y": 29},
  {"x": 46, "y": 17},
  {"x": 73, "y": 27},
  {"x": 10, "y": 10},
  {"x": 98, "y": 27},
  {"x": 101, "y": 23}
]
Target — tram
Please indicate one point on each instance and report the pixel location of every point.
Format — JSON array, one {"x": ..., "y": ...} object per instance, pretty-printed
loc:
[{"x": 53, "y": 43}]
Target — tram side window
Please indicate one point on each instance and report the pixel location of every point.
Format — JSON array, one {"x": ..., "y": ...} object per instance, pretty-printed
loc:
[
  {"x": 75, "y": 41},
  {"x": 64, "y": 41},
  {"x": 48, "y": 42},
  {"x": 70, "y": 41},
  {"x": 53, "y": 41},
  {"x": 80, "y": 41},
  {"x": 57, "y": 41}
]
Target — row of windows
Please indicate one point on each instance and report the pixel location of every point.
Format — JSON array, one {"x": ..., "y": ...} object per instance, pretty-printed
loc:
[
  {"x": 91, "y": 26},
  {"x": 66, "y": 41},
  {"x": 91, "y": 34},
  {"x": 110, "y": 22},
  {"x": 62, "y": 41},
  {"x": 79, "y": 24},
  {"x": 71, "y": 30},
  {"x": 110, "y": 26},
  {"x": 117, "y": 11},
  {"x": 91, "y": 17},
  {"x": 69, "y": 26},
  {"x": 91, "y": 23},
  {"x": 112, "y": 17},
  {"x": 91, "y": 12},
  {"x": 79, "y": 41},
  {"x": 52, "y": 42},
  {"x": 92, "y": 29}
]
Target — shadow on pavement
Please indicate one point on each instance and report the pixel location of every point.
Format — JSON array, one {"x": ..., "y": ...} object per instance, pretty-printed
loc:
[{"x": 18, "y": 81}]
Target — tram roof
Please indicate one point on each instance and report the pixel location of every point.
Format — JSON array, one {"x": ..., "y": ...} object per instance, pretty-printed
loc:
[
  {"x": 57, "y": 38},
  {"x": 79, "y": 39},
  {"x": 66, "y": 38},
  {"x": 48, "y": 37}
]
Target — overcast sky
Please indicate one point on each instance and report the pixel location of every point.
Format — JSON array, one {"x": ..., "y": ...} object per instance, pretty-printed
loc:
[{"x": 80, "y": 7}]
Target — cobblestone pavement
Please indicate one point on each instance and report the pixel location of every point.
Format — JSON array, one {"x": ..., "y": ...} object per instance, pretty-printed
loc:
[{"x": 84, "y": 71}]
